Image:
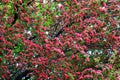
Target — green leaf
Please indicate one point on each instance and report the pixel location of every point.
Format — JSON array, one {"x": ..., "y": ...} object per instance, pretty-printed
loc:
[
  {"x": 71, "y": 76},
  {"x": 104, "y": 0}
]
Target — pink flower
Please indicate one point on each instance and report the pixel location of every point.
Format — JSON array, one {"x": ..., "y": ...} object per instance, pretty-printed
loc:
[
  {"x": 78, "y": 73},
  {"x": 76, "y": 1},
  {"x": 66, "y": 76},
  {"x": 85, "y": 9},
  {"x": 118, "y": 77},
  {"x": 20, "y": 1},
  {"x": 78, "y": 35},
  {"x": 104, "y": 4},
  {"x": 87, "y": 59},
  {"x": 103, "y": 9},
  {"x": 88, "y": 76},
  {"x": 82, "y": 51},
  {"x": 59, "y": 51},
  {"x": 62, "y": 53},
  {"x": 53, "y": 61},
  {"x": 57, "y": 16},
  {"x": 72, "y": 56},
  {"x": 60, "y": 5}
]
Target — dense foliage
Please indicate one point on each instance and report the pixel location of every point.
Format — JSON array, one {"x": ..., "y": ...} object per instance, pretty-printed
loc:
[{"x": 60, "y": 40}]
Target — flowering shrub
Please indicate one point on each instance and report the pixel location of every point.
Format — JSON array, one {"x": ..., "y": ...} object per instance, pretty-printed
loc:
[{"x": 60, "y": 40}]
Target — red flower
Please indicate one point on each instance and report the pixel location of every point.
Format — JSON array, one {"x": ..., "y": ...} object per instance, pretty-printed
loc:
[
  {"x": 78, "y": 73},
  {"x": 47, "y": 46},
  {"x": 59, "y": 51},
  {"x": 66, "y": 76},
  {"x": 44, "y": 75},
  {"x": 0, "y": 60},
  {"x": 87, "y": 40},
  {"x": 77, "y": 57},
  {"x": 3, "y": 76},
  {"x": 87, "y": 59},
  {"x": 27, "y": 20},
  {"x": 1, "y": 53}
]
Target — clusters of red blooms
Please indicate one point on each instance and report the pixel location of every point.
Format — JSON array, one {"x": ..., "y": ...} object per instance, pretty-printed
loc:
[{"x": 78, "y": 46}]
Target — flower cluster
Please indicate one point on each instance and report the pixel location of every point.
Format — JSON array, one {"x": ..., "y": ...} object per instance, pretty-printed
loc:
[{"x": 60, "y": 40}]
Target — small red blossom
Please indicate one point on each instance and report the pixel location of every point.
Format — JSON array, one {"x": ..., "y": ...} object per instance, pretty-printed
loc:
[
  {"x": 27, "y": 20},
  {"x": 44, "y": 75},
  {"x": 87, "y": 59},
  {"x": 72, "y": 56},
  {"x": 77, "y": 57},
  {"x": 3, "y": 76},
  {"x": 1, "y": 53},
  {"x": 66, "y": 76},
  {"x": 59, "y": 51},
  {"x": 0, "y": 60},
  {"x": 87, "y": 40},
  {"x": 47, "y": 46}
]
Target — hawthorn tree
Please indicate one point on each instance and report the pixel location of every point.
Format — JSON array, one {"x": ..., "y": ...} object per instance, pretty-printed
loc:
[{"x": 60, "y": 40}]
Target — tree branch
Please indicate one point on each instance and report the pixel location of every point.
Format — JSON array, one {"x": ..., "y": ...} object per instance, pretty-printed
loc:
[
  {"x": 20, "y": 74},
  {"x": 62, "y": 29},
  {"x": 15, "y": 14}
]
